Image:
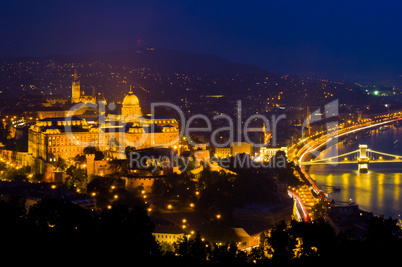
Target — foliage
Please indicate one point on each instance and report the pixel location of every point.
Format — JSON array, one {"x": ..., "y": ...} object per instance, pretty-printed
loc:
[
  {"x": 77, "y": 178},
  {"x": 106, "y": 187},
  {"x": 4, "y": 131},
  {"x": 176, "y": 186},
  {"x": 222, "y": 192},
  {"x": 60, "y": 165},
  {"x": 119, "y": 167},
  {"x": 61, "y": 228},
  {"x": 281, "y": 243},
  {"x": 14, "y": 174}
]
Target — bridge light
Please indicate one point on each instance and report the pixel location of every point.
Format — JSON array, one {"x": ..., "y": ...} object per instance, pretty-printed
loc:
[{"x": 346, "y": 158}]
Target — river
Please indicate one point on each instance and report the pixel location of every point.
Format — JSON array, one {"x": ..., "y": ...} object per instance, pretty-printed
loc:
[{"x": 379, "y": 190}]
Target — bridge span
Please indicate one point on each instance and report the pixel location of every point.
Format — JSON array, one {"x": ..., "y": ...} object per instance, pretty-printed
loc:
[{"x": 362, "y": 156}]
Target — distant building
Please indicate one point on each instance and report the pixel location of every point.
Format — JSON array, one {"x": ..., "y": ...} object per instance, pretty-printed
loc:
[
  {"x": 271, "y": 151},
  {"x": 234, "y": 149},
  {"x": 44, "y": 112},
  {"x": 223, "y": 152},
  {"x": 240, "y": 148},
  {"x": 97, "y": 167},
  {"x": 256, "y": 218},
  {"x": 51, "y": 100},
  {"x": 166, "y": 232},
  {"x": 250, "y": 237},
  {"x": 78, "y": 96}
]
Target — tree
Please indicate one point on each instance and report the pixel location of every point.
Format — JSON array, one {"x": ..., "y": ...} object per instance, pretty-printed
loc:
[
  {"x": 37, "y": 178},
  {"x": 381, "y": 231},
  {"x": 119, "y": 166},
  {"x": 4, "y": 131},
  {"x": 316, "y": 240},
  {"x": 99, "y": 155},
  {"x": 128, "y": 150},
  {"x": 60, "y": 165},
  {"x": 77, "y": 178},
  {"x": 224, "y": 253},
  {"x": 193, "y": 250},
  {"x": 13, "y": 214},
  {"x": 281, "y": 243},
  {"x": 60, "y": 217},
  {"x": 123, "y": 230},
  {"x": 89, "y": 150}
]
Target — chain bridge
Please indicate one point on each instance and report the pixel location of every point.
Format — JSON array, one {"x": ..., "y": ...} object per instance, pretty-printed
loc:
[{"x": 362, "y": 156}]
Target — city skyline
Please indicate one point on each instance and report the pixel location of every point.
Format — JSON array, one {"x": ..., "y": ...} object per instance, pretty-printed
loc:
[{"x": 259, "y": 132}]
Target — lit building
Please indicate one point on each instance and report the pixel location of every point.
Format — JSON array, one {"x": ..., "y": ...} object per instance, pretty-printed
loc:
[
  {"x": 168, "y": 233},
  {"x": 271, "y": 151},
  {"x": 66, "y": 137},
  {"x": 78, "y": 96},
  {"x": 131, "y": 106},
  {"x": 234, "y": 149}
]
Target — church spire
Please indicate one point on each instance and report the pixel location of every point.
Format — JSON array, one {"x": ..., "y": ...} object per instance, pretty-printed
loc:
[
  {"x": 76, "y": 89},
  {"x": 131, "y": 89}
]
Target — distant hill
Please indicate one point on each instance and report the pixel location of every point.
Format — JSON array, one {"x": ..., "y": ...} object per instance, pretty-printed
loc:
[
  {"x": 111, "y": 73},
  {"x": 53, "y": 73},
  {"x": 163, "y": 61}
]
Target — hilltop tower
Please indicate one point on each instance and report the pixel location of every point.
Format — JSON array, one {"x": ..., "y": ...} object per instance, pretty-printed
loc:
[{"x": 76, "y": 89}]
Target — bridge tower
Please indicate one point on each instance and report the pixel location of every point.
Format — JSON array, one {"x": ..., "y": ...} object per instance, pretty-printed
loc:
[{"x": 363, "y": 160}]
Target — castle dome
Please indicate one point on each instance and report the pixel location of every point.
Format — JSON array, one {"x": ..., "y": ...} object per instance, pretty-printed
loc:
[{"x": 130, "y": 99}]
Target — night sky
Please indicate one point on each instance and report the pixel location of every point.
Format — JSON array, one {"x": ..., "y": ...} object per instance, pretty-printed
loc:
[{"x": 330, "y": 38}]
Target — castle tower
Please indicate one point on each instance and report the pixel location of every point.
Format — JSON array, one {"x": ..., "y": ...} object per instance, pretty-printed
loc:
[
  {"x": 90, "y": 164},
  {"x": 76, "y": 89}
]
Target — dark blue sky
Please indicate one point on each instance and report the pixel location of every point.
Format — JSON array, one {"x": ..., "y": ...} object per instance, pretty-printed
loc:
[{"x": 332, "y": 38}]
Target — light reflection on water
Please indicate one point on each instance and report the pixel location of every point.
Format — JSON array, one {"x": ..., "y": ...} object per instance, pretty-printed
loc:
[{"x": 379, "y": 190}]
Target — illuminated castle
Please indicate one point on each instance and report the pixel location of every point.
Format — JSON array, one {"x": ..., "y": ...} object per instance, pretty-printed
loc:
[{"x": 66, "y": 137}]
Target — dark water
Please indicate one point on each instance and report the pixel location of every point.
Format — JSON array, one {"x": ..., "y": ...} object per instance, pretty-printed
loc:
[{"x": 379, "y": 190}]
